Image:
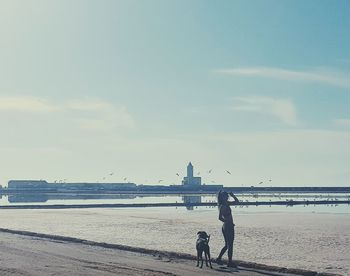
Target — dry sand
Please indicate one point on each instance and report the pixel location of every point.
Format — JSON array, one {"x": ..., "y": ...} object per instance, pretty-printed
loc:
[{"x": 28, "y": 255}]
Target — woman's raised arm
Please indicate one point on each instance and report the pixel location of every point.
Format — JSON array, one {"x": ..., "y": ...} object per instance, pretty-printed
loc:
[{"x": 234, "y": 197}]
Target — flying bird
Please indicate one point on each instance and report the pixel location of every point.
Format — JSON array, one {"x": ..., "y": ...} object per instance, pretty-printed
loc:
[
  {"x": 228, "y": 172},
  {"x": 210, "y": 170},
  {"x": 261, "y": 182},
  {"x": 125, "y": 178},
  {"x": 177, "y": 174},
  {"x": 111, "y": 174}
]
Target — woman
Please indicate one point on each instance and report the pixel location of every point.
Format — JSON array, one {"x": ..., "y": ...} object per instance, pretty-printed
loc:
[{"x": 228, "y": 228}]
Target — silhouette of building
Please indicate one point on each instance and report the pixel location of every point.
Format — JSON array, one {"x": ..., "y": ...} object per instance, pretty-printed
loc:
[
  {"x": 26, "y": 185},
  {"x": 191, "y": 180}
]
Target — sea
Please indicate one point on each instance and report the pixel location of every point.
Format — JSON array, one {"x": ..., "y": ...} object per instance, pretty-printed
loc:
[{"x": 314, "y": 237}]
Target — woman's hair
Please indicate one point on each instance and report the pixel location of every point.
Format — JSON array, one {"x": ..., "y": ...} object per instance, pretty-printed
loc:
[{"x": 222, "y": 197}]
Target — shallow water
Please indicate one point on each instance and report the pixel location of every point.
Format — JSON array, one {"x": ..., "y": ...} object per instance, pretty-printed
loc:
[
  {"x": 57, "y": 198},
  {"x": 313, "y": 237}
]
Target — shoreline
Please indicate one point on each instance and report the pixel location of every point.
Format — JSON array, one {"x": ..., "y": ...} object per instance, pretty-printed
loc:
[{"x": 166, "y": 254}]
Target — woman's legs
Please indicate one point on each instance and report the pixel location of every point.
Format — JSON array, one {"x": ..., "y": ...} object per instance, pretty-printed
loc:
[
  {"x": 230, "y": 244},
  {"x": 229, "y": 235},
  {"x": 223, "y": 250}
]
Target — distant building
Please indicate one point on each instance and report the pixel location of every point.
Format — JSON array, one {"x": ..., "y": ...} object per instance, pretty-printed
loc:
[
  {"x": 27, "y": 184},
  {"x": 44, "y": 185},
  {"x": 191, "y": 180}
]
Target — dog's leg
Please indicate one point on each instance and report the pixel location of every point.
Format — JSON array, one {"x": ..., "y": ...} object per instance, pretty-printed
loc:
[
  {"x": 202, "y": 259},
  {"x": 206, "y": 258},
  {"x": 209, "y": 258},
  {"x": 197, "y": 258}
]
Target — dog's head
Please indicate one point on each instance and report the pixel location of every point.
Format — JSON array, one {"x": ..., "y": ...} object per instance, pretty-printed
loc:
[{"x": 203, "y": 235}]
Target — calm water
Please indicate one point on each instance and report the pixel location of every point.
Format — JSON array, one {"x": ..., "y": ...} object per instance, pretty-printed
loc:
[
  {"x": 71, "y": 199},
  {"x": 57, "y": 198}
]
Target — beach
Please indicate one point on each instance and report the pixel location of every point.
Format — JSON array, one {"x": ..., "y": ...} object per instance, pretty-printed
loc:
[
  {"x": 23, "y": 254},
  {"x": 311, "y": 240}
]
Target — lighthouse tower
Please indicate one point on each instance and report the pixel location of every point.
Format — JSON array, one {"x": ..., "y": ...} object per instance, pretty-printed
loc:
[
  {"x": 190, "y": 180},
  {"x": 190, "y": 170}
]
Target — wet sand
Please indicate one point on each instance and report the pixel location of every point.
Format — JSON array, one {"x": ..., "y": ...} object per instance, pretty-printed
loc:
[{"x": 27, "y": 254}]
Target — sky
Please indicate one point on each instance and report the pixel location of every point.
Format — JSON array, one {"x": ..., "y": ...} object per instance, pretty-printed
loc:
[{"x": 140, "y": 88}]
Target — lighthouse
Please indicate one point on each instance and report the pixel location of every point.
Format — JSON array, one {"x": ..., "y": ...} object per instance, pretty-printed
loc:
[
  {"x": 190, "y": 170},
  {"x": 191, "y": 180}
]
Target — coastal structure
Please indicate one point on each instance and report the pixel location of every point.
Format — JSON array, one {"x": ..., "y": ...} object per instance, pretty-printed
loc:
[
  {"x": 191, "y": 180},
  {"x": 44, "y": 185},
  {"x": 190, "y": 184}
]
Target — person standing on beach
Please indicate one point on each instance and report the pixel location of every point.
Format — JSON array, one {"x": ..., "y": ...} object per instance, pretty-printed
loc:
[{"x": 228, "y": 227}]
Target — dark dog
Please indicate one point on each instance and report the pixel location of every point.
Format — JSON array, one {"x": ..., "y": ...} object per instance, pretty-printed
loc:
[{"x": 202, "y": 245}]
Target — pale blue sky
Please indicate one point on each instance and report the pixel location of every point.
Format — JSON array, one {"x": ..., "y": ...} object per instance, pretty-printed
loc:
[{"x": 139, "y": 88}]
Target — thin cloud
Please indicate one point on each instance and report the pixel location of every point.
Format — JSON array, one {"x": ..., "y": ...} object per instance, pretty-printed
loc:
[
  {"x": 88, "y": 114},
  {"x": 282, "y": 109},
  {"x": 325, "y": 76},
  {"x": 106, "y": 121},
  {"x": 88, "y": 105},
  {"x": 103, "y": 115},
  {"x": 26, "y": 104}
]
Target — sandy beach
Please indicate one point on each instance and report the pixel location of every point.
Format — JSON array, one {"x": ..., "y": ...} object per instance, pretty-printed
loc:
[
  {"x": 307, "y": 240},
  {"x": 27, "y": 255}
]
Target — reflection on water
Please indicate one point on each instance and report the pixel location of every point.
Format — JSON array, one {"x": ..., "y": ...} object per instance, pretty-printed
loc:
[
  {"x": 188, "y": 200},
  {"x": 37, "y": 198},
  {"x": 64, "y": 198},
  {"x": 191, "y": 199},
  {"x": 28, "y": 198}
]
